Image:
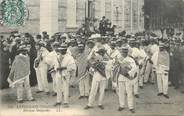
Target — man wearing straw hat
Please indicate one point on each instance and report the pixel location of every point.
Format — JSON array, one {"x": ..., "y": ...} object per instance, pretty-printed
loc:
[
  {"x": 64, "y": 67},
  {"x": 19, "y": 74},
  {"x": 127, "y": 74},
  {"x": 162, "y": 71}
]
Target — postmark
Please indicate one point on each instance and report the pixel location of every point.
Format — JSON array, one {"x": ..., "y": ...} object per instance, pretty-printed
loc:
[{"x": 14, "y": 13}]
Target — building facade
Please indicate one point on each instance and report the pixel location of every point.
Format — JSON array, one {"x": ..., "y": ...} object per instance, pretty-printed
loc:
[{"x": 68, "y": 15}]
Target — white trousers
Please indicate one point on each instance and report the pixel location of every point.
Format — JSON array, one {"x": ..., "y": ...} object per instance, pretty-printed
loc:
[
  {"x": 162, "y": 82},
  {"x": 20, "y": 89},
  {"x": 84, "y": 86},
  {"x": 101, "y": 84},
  {"x": 141, "y": 77},
  {"x": 72, "y": 77},
  {"x": 135, "y": 86},
  {"x": 59, "y": 89},
  {"x": 147, "y": 73},
  {"x": 53, "y": 75},
  {"x": 136, "y": 83},
  {"x": 126, "y": 89},
  {"x": 62, "y": 88},
  {"x": 41, "y": 73},
  {"x": 108, "y": 73},
  {"x": 153, "y": 76}
]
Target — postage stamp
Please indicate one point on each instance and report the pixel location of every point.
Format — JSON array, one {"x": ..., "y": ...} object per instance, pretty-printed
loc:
[{"x": 13, "y": 12}]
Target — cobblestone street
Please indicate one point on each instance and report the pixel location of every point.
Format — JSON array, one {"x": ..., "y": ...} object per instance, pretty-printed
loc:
[{"x": 149, "y": 104}]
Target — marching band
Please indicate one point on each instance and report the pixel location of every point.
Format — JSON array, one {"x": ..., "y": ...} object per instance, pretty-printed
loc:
[{"x": 96, "y": 63}]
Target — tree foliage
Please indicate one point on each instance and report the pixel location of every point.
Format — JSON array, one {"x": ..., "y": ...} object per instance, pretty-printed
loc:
[{"x": 170, "y": 11}]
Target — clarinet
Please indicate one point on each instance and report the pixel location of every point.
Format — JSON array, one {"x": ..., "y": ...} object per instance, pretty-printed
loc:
[{"x": 38, "y": 60}]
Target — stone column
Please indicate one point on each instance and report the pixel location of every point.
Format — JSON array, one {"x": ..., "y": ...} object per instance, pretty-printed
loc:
[
  {"x": 131, "y": 16},
  {"x": 112, "y": 12},
  {"x": 49, "y": 16},
  {"x": 123, "y": 14},
  {"x": 138, "y": 14}
]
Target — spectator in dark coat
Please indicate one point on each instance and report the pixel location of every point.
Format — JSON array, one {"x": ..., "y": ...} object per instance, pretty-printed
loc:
[
  {"x": 33, "y": 55},
  {"x": 4, "y": 66}
]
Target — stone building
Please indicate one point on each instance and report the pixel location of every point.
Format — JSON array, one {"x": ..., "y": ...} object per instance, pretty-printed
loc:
[{"x": 68, "y": 15}]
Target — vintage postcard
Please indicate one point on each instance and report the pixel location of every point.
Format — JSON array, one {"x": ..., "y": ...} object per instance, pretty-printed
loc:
[{"x": 92, "y": 57}]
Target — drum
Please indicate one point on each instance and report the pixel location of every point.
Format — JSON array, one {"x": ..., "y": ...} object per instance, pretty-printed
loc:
[{"x": 100, "y": 67}]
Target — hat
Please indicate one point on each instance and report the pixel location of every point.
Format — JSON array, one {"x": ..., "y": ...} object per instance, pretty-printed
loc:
[
  {"x": 17, "y": 39},
  {"x": 72, "y": 40},
  {"x": 80, "y": 45},
  {"x": 172, "y": 42},
  {"x": 137, "y": 41},
  {"x": 22, "y": 47},
  {"x": 13, "y": 32},
  {"x": 119, "y": 40},
  {"x": 44, "y": 33},
  {"x": 95, "y": 36},
  {"x": 27, "y": 35},
  {"x": 132, "y": 36},
  {"x": 16, "y": 35},
  {"x": 90, "y": 40},
  {"x": 38, "y": 36},
  {"x": 161, "y": 45},
  {"x": 101, "y": 50},
  {"x": 64, "y": 36},
  {"x": 104, "y": 37},
  {"x": 132, "y": 41},
  {"x": 56, "y": 44},
  {"x": 63, "y": 46},
  {"x": 113, "y": 42},
  {"x": 41, "y": 43},
  {"x": 128, "y": 36},
  {"x": 1, "y": 36},
  {"x": 125, "y": 48}
]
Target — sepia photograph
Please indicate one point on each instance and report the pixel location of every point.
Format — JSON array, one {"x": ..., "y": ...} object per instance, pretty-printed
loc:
[{"x": 91, "y": 57}]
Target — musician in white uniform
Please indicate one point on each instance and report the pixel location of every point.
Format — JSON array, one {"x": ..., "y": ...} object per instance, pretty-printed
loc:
[
  {"x": 82, "y": 64},
  {"x": 148, "y": 64},
  {"x": 94, "y": 45},
  {"x": 134, "y": 52},
  {"x": 99, "y": 79},
  {"x": 154, "y": 50},
  {"x": 41, "y": 67},
  {"x": 64, "y": 69},
  {"x": 142, "y": 66},
  {"x": 108, "y": 49},
  {"x": 72, "y": 50},
  {"x": 162, "y": 71},
  {"x": 112, "y": 56},
  {"x": 127, "y": 74},
  {"x": 50, "y": 59}
]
